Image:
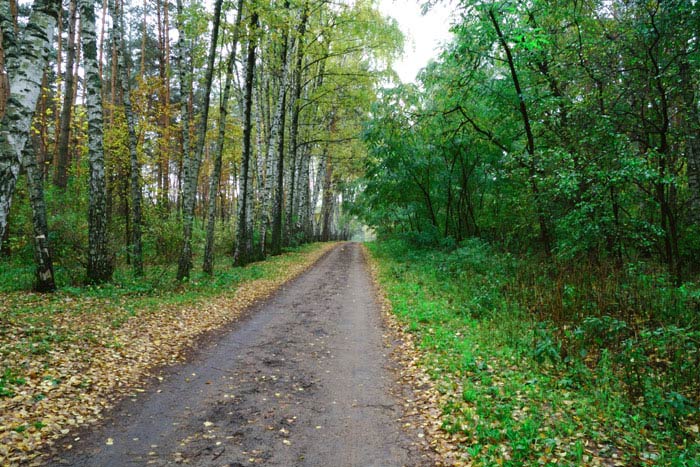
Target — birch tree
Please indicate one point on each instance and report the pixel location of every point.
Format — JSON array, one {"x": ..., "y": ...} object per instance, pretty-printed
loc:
[
  {"x": 99, "y": 267},
  {"x": 215, "y": 178},
  {"x": 272, "y": 204},
  {"x": 193, "y": 163},
  {"x": 25, "y": 87},
  {"x": 61, "y": 172},
  {"x": 295, "y": 105},
  {"x": 244, "y": 246},
  {"x": 44, "y": 275}
]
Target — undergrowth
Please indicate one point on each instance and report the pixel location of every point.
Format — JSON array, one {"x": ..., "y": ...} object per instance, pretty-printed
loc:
[
  {"x": 551, "y": 364},
  {"x": 127, "y": 297}
]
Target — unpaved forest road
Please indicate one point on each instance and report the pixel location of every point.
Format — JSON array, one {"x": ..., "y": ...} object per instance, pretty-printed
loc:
[{"x": 304, "y": 380}]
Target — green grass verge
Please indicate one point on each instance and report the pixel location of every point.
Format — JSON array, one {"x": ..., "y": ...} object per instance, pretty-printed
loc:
[
  {"x": 513, "y": 394},
  {"x": 33, "y": 325}
]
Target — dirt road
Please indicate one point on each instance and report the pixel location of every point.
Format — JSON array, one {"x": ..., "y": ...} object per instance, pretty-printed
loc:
[{"x": 303, "y": 380}]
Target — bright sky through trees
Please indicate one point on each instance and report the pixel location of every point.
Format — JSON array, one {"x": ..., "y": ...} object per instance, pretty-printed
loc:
[{"x": 424, "y": 33}]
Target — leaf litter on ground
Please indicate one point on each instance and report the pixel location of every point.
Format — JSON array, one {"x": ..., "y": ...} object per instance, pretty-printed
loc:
[
  {"x": 66, "y": 359},
  {"x": 501, "y": 411}
]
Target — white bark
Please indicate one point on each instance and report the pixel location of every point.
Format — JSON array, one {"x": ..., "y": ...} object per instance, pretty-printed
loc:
[
  {"x": 273, "y": 153},
  {"x": 25, "y": 89},
  {"x": 99, "y": 268}
]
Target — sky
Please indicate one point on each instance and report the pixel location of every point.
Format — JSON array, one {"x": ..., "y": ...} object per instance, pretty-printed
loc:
[{"x": 424, "y": 33}]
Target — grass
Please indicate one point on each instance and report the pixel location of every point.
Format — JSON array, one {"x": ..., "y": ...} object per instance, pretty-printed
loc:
[
  {"x": 117, "y": 302},
  {"x": 67, "y": 356},
  {"x": 524, "y": 388}
]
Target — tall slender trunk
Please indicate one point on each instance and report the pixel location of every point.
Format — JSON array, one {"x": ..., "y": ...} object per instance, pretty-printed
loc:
[
  {"x": 135, "y": 247},
  {"x": 194, "y": 161},
  {"x": 303, "y": 218},
  {"x": 243, "y": 250},
  {"x": 314, "y": 225},
  {"x": 214, "y": 180},
  {"x": 60, "y": 178},
  {"x": 164, "y": 97},
  {"x": 25, "y": 87},
  {"x": 44, "y": 277},
  {"x": 295, "y": 105},
  {"x": 278, "y": 204},
  {"x": 327, "y": 201},
  {"x": 99, "y": 267}
]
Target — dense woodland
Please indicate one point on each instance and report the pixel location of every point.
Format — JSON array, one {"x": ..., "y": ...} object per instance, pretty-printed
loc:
[
  {"x": 546, "y": 169},
  {"x": 535, "y": 194},
  {"x": 568, "y": 128},
  {"x": 139, "y": 133}
]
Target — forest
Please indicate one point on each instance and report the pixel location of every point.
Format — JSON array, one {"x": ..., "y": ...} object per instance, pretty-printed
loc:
[
  {"x": 534, "y": 194},
  {"x": 148, "y": 131},
  {"x": 540, "y": 187}
]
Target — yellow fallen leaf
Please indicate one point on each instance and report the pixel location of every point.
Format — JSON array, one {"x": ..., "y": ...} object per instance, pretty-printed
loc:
[{"x": 109, "y": 442}]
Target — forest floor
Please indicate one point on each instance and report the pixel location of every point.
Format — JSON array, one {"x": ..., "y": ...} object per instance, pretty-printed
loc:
[
  {"x": 304, "y": 378},
  {"x": 67, "y": 357}
]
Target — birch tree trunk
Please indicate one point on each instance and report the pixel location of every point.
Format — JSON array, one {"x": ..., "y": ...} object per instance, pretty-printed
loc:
[
  {"x": 327, "y": 201},
  {"x": 184, "y": 79},
  {"x": 303, "y": 206},
  {"x": 244, "y": 249},
  {"x": 275, "y": 152},
  {"x": 295, "y": 105},
  {"x": 278, "y": 208},
  {"x": 9, "y": 49},
  {"x": 314, "y": 226},
  {"x": 25, "y": 87},
  {"x": 99, "y": 266},
  {"x": 192, "y": 172},
  {"x": 44, "y": 277},
  {"x": 214, "y": 180},
  {"x": 135, "y": 248}
]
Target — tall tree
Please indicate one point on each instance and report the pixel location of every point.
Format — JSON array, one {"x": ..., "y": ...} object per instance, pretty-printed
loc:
[
  {"x": 531, "y": 162},
  {"x": 295, "y": 105},
  {"x": 278, "y": 147},
  {"x": 193, "y": 163},
  {"x": 25, "y": 87},
  {"x": 44, "y": 275},
  {"x": 99, "y": 265},
  {"x": 215, "y": 177},
  {"x": 244, "y": 247},
  {"x": 62, "y": 147},
  {"x": 135, "y": 249}
]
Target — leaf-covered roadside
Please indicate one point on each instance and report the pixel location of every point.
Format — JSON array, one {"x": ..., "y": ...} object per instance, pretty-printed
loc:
[
  {"x": 69, "y": 356},
  {"x": 491, "y": 397}
]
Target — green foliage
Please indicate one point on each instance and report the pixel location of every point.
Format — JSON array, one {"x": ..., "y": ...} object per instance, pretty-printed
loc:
[
  {"x": 9, "y": 379},
  {"x": 163, "y": 239},
  {"x": 600, "y": 177},
  {"x": 530, "y": 363}
]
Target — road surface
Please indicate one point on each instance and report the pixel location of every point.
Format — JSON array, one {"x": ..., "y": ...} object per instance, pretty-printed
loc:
[{"x": 304, "y": 380}]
